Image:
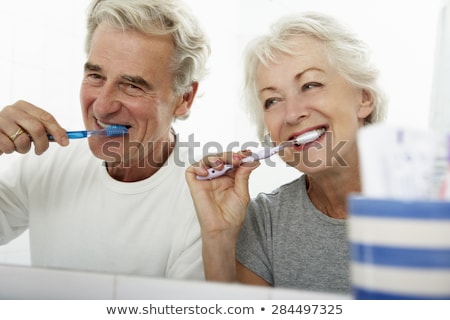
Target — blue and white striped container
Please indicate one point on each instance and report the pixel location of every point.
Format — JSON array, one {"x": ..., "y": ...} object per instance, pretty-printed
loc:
[{"x": 400, "y": 249}]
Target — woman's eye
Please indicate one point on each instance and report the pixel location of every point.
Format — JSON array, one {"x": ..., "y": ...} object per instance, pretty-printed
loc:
[
  {"x": 269, "y": 102},
  {"x": 311, "y": 85}
]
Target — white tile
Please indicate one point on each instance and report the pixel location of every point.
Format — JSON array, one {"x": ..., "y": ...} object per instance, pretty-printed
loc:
[
  {"x": 5, "y": 81},
  {"x": 16, "y": 252},
  {"x": 58, "y": 14},
  {"x": 6, "y": 38},
  {"x": 27, "y": 83},
  {"x": 17, "y": 258},
  {"x": 21, "y": 243},
  {"x": 28, "y": 43}
]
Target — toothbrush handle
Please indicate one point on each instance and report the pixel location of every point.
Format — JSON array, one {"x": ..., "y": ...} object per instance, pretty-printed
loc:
[
  {"x": 77, "y": 134},
  {"x": 261, "y": 154},
  {"x": 71, "y": 135},
  {"x": 213, "y": 173}
]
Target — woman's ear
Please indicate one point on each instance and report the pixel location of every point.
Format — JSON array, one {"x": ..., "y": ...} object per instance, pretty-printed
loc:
[
  {"x": 366, "y": 107},
  {"x": 185, "y": 103}
]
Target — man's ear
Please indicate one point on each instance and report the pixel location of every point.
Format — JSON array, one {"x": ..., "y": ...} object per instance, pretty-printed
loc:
[
  {"x": 366, "y": 106},
  {"x": 185, "y": 103}
]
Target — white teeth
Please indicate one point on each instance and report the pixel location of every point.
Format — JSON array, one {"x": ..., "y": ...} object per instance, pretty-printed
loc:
[
  {"x": 103, "y": 125},
  {"x": 309, "y": 136}
]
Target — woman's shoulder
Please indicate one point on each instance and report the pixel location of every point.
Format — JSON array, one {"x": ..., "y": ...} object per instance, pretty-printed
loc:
[
  {"x": 288, "y": 188},
  {"x": 293, "y": 189},
  {"x": 267, "y": 206}
]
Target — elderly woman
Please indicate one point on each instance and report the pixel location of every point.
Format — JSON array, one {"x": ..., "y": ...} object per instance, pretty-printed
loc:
[{"x": 309, "y": 74}]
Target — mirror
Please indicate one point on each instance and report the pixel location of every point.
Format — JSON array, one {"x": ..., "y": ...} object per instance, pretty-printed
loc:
[{"x": 42, "y": 58}]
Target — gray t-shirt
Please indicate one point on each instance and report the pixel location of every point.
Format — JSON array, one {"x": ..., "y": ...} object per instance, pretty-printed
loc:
[{"x": 289, "y": 243}]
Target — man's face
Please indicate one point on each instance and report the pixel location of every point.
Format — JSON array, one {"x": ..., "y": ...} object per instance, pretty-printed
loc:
[{"x": 127, "y": 81}]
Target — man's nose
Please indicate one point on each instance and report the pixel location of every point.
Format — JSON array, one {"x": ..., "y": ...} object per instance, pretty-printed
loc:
[{"x": 107, "y": 101}]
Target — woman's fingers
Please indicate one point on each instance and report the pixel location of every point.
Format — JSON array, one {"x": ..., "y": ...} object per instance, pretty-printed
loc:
[{"x": 218, "y": 162}]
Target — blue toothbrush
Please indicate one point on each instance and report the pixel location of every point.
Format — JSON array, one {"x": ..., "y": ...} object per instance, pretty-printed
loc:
[{"x": 111, "y": 131}]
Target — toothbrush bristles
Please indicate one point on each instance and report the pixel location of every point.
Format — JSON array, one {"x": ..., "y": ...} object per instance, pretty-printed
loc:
[
  {"x": 308, "y": 137},
  {"x": 116, "y": 130}
]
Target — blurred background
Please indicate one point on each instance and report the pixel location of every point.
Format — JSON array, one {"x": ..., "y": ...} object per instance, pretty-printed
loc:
[{"x": 42, "y": 57}]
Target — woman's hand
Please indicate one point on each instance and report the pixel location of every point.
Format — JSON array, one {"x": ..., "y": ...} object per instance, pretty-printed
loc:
[
  {"x": 23, "y": 123},
  {"x": 221, "y": 203},
  {"x": 221, "y": 206}
]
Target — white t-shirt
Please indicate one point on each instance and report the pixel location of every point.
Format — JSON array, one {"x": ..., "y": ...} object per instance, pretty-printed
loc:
[{"x": 80, "y": 218}]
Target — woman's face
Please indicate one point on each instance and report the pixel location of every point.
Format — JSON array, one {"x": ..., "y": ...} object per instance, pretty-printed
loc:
[{"x": 303, "y": 92}]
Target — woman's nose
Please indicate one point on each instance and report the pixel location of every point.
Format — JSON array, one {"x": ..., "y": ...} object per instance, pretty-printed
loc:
[{"x": 295, "y": 110}]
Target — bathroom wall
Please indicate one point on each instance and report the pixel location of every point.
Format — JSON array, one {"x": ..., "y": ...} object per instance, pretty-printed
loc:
[{"x": 41, "y": 60}]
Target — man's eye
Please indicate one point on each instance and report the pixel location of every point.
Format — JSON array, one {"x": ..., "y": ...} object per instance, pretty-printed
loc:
[
  {"x": 132, "y": 90},
  {"x": 94, "y": 78}
]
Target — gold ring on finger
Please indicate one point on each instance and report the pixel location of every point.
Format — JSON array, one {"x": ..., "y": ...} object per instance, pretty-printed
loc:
[{"x": 15, "y": 135}]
